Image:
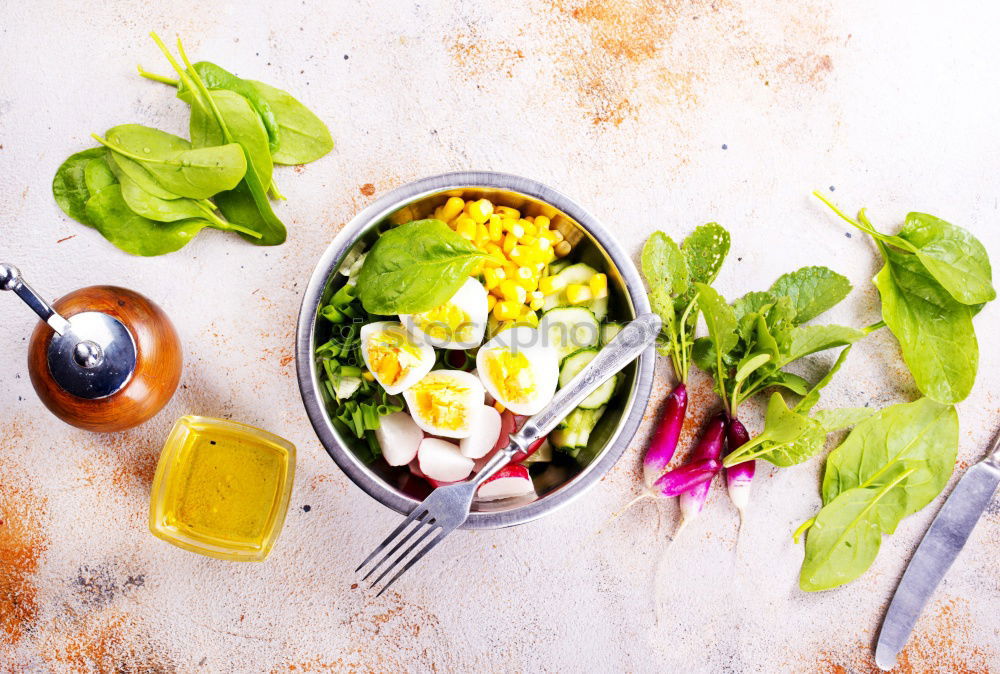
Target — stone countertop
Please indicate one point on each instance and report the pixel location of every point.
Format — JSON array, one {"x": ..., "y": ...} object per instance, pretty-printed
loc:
[{"x": 653, "y": 115}]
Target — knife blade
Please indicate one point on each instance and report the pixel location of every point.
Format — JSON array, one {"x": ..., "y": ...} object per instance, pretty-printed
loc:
[{"x": 939, "y": 547}]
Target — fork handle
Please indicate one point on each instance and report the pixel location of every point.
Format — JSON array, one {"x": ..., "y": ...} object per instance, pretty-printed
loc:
[{"x": 627, "y": 345}]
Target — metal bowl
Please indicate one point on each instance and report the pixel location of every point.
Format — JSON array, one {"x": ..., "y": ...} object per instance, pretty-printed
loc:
[{"x": 557, "y": 484}]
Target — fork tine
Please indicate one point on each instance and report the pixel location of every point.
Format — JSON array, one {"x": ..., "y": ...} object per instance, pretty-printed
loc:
[
  {"x": 419, "y": 510},
  {"x": 403, "y": 556},
  {"x": 414, "y": 560},
  {"x": 420, "y": 523}
]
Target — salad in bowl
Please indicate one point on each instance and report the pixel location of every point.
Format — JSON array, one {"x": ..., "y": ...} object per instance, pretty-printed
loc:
[{"x": 445, "y": 325}]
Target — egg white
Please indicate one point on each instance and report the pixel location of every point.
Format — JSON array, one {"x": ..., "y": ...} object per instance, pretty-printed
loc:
[
  {"x": 471, "y": 299},
  {"x": 543, "y": 363},
  {"x": 424, "y": 355}
]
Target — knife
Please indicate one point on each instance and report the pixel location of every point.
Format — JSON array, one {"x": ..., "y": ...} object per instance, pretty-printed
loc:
[{"x": 941, "y": 544}]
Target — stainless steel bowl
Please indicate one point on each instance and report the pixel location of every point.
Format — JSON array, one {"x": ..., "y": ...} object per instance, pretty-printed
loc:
[{"x": 558, "y": 484}]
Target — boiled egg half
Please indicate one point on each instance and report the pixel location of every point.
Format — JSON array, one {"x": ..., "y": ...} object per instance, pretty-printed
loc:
[
  {"x": 446, "y": 403},
  {"x": 395, "y": 359},
  {"x": 459, "y": 323},
  {"x": 519, "y": 370}
]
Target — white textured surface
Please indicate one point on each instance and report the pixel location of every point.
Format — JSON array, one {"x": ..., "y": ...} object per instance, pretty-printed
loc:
[{"x": 626, "y": 107}]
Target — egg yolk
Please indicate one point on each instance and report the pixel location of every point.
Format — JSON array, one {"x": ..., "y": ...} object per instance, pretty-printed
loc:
[
  {"x": 442, "y": 403},
  {"x": 391, "y": 356},
  {"x": 446, "y": 322},
  {"x": 511, "y": 373}
]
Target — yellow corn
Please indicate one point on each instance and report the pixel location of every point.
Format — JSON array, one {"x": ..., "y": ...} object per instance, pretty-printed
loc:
[
  {"x": 451, "y": 208},
  {"x": 517, "y": 229},
  {"x": 550, "y": 285},
  {"x": 509, "y": 242},
  {"x": 530, "y": 284},
  {"x": 438, "y": 214},
  {"x": 557, "y": 236},
  {"x": 368, "y": 376},
  {"x": 507, "y": 212},
  {"x": 511, "y": 291},
  {"x": 466, "y": 227},
  {"x": 521, "y": 255},
  {"x": 490, "y": 302},
  {"x": 495, "y": 228},
  {"x": 599, "y": 285},
  {"x": 492, "y": 277},
  {"x": 548, "y": 234},
  {"x": 480, "y": 211},
  {"x": 482, "y": 236},
  {"x": 543, "y": 243},
  {"x": 562, "y": 249},
  {"x": 577, "y": 293},
  {"x": 507, "y": 310},
  {"x": 495, "y": 250},
  {"x": 541, "y": 223},
  {"x": 536, "y": 300}
]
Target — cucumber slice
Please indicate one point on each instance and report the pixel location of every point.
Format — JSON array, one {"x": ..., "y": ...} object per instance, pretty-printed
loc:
[
  {"x": 608, "y": 331},
  {"x": 568, "y": 329},
  {"x": 571, "y": 367},
  {"x": 558, "y": 266},
  {"x": 576, "y": 434}
]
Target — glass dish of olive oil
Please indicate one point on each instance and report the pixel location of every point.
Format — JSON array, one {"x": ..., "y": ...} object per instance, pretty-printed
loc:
[{"x": 221, "y": 488}]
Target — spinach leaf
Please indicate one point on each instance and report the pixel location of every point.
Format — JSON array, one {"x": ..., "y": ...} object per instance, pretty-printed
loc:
[
  {"x": 812, "y": 290},
  {"x": 216, "y": 77},
  {"x": 123, "y": 166},
  {"x": 97, "y": 175},
  {"x": 923, "y": 434},
  {"x": 954, "y": 257},
  {"x": 846, "y": 535},
  {"x": 843, "y": 417},
  {"x": 251, "y": 209},
  {"x": 133, "y": 233},
  {"x": 302, "y": 136},
  {"x": 69, "y": 186},
  {"x": 243, "y": 126},
  {"x": 935, "y": 332},
  {"x": 415, "y": 267},
  {"x": 197, "y": 173}
]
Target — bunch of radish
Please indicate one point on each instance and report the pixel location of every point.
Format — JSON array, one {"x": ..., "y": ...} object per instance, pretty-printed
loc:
[
  {"x": 442, "y": 461},
  {"x": 749, "y": 344}
]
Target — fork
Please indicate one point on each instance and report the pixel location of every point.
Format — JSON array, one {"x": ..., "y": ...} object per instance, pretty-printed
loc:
[{"x": 447, "y": 508}]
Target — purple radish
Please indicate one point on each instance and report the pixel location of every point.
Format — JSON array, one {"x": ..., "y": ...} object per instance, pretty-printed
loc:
[
  {"x": 664, "y": 442},
  {"x": 688, "y": 476},
  {"x": 709, "y": 448},
  {"x": 739, "y": 477}
]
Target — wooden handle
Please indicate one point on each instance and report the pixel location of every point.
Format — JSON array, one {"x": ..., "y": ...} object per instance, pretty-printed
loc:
[{"x": 157, "y": 371}]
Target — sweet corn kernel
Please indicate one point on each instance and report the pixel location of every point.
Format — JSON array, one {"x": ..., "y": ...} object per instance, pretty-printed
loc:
[
  {"x": 495, "y": 250},
  {"x": 451, "y": 208},
  {"x": 490, "y": 302},
  {"x": 480, "y": 211},
  {"x": 439, "y": 214},
  {"x": 511, "y": 291},
  {"x": 482, "y": 236},
  {"x": 507, "y": 310},
  {"x": 507, "y": 212},
  {"x": 547, "y": 234},
  {"x": 577, "y": 293},
  {"x": 529, "y": 239},
  {"x": 524, "y": 273},
  {"x": 551, "y": 284},
  {"x": 495, "y": 229},
  {"x": 491, "y": 279},
  {"x": 510, "y": 269},
  {"x": 499, "y": 407},
  {"x": 562, "y": 249},
  {"x": 517, "y": 229},
  {"x": 543, "y": 243},
  {"x": 368, "y": 376},
  {"x": 540, "y": 267},
  {"x": 536, "y": 301},
  {"x": 529, "y": 227},
  {"x": 530, "y": 284},
  {"x": 521, "y": 255},
  {"x": 557, "y": 235},
  {"x": 599, "y": 285},
  {"x": 466, "y": 228},
  {"x": 541, "y": 223},
  {"x": 509, "y": 242}
]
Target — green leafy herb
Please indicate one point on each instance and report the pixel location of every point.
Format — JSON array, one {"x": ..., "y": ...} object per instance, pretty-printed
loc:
[
  {"x": 69, "y": 187},
  {"x": 415, "y": 267},
  {"x": 812, "y": 290},
  {"x": 97, "y": 174},
  {"x": 133, "y": 233},
  {"x": 670, "y": 271},
  {"x": 891, "y": 465}
]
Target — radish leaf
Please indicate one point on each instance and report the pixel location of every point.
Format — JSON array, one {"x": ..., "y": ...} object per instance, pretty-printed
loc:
[{"x": 812, "y": 290}]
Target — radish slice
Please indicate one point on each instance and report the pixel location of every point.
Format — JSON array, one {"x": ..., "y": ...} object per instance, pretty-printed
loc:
[
  {"x": 510, "y": 481},
  {"x": 485, "y": 433},
  {"x": 443, "y": 461},
  {"x": 399, "y": 436}
]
